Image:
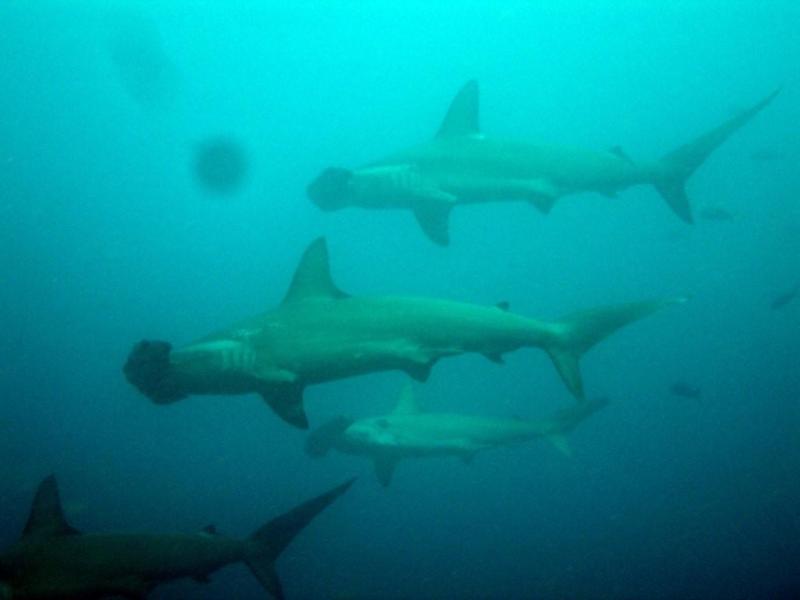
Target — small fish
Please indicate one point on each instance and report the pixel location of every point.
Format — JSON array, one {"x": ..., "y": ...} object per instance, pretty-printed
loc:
[
  {"x": 785, "y": 298},
  {"x": 685, "y": 390}
]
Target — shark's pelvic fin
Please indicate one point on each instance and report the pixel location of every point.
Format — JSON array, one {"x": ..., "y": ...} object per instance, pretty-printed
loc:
[
  {"x": 384, "y": 469},
  {"x": 681, "y": 163},
  {"x": 287, "y": 402},
  {"x": 462, "y": 117},
  {"x": 434, "y": 219},
  {"x": 312, "y": 279},
  {"x": 47, "y": 516},
  {"x": 271, "y": 539},
  {"x": 407, "y": 403}
]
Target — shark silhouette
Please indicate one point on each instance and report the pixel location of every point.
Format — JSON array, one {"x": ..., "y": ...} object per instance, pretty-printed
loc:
[
  {"x": 320, "y": 334},
  {"x": 461, "y": 165},
  {"x": 53, "y": 560}
]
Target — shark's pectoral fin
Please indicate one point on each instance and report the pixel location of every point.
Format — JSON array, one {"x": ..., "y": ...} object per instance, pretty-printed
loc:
[
  {"x": 434, "y": 219},
  {"x": 287, "y": 402},
  {"x": 420, "y": 371},
  {"x": 384, "y": 469},
  {"x": 561, "y": 444},
  {"x": 495, "y": 357},
  {"x": 620, "y": 153},
  {"x": 542, "y": 195},
  {"x": 468, "y": 458}
]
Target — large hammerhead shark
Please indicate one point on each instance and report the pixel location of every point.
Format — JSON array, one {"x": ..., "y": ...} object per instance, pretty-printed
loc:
[
  {"x": 54, "y": 561},
  {"x": 320, "y": 334},
  {"x": 410, "y": 432},
  {"x": 461, "y": 166}
]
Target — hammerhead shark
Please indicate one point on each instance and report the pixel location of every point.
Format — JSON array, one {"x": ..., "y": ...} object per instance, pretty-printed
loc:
[
  {"x": 461, "y": 165},
  {"x": 409, "y": 432},
  {"x": 53, "y": 560},
  {"x": 319, "y": 334}
]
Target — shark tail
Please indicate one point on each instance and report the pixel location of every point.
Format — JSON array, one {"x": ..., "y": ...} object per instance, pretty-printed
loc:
[
  {"x": 270, "y": 540},
  {"x": 148, "y": 369},
  {"x": 676, "y": 167},
  {"x": 320, "y": 441},
  {"x": 564, "y": 421},
  {"x": 579, "y": 332}
]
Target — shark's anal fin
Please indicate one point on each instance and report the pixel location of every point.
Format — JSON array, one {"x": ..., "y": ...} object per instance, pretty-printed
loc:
[
  {"x": 462, "y": 117},
  {"x": 47, "y": 515},
  {"x": 434, "y": 219},
  {"x": 287, "y": 402},
  {"x": 312, "y": 278},
  {"x": 384, "y": 469}
]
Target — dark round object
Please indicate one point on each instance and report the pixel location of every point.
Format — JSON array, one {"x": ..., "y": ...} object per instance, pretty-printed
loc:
[{"x": 220, "y": 165}]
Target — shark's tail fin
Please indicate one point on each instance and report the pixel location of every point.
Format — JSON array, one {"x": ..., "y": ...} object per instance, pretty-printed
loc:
[
  {"x": 270, "y": 540},
  {"x": 564, "y": 421},
  {"x": 677, "y": 166},
  {"x": 320, "y": 441},
  {"x": 577, "y": 333}
]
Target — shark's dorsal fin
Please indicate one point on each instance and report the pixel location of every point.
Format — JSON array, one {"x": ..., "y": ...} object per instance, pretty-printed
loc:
[
  {"x": 463, "y": 114},
  {"x": 47, "y": 516},
  {"x": 407, "y": 402},
  {"x": 312, "y": 278}
]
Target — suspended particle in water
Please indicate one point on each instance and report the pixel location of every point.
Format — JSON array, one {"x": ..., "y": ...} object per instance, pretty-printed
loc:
[{"x": 220, "y": 165}]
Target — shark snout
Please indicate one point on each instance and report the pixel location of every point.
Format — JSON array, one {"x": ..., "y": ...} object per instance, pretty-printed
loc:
[{"x": 331, "y": 189}]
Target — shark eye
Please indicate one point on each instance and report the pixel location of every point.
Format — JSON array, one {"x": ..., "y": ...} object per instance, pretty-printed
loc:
[{"x": 383, "y": 423}]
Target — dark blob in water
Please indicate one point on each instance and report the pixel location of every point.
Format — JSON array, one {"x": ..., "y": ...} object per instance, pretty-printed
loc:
[
  {"x": 143, "y": 66},
  {"x": 685, "y": 390},
  {"x": 785, "y": 298},
  {"x": 220, "y": 165}
]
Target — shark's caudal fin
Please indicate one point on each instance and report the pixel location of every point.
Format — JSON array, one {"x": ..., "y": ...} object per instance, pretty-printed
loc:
[
  {"x": 579, "y": 332},
  {"x": 564, "y": 421},
  {"x": 271, "y": 539},
  {"x": 678, "y": 165}
]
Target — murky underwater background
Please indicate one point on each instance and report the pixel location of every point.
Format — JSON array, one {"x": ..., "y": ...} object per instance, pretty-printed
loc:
[{"x": 107, "y": 236}]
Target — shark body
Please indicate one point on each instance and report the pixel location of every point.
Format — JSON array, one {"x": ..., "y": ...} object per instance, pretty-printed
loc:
[
  {"x": 53, "y": 560},
  {"x": 460, "y": 165},
  {"x": 319, "y": 334},
  {"x": 408, "y": 433}
]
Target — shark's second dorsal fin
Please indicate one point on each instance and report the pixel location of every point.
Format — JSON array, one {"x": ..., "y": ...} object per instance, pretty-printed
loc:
[
  {"x": 47, "y": 516},
  {"x": 407, "y": 402},
  {"x": 312, "y": 279},
  {"x": 462, "y": 117}
]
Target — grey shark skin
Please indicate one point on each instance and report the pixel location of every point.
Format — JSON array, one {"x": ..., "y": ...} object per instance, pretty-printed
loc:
[
  {"x": 408, "y": 432},
  {"x": 320, "y": 334},
  {"x": 462, "y": 166},
  {"x": 52, "y": 560}
]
